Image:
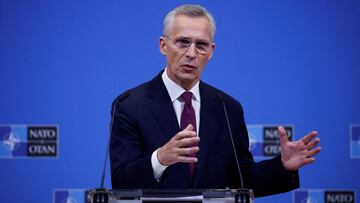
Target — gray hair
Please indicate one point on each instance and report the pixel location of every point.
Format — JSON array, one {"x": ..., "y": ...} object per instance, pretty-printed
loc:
[{"x": 191, "y": 11}]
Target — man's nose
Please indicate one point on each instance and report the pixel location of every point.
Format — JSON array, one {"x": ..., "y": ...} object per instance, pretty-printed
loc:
[{"x": 191, "y": 51}]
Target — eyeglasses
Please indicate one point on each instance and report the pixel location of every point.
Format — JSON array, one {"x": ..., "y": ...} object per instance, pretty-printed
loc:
[{"x": 183, "y": 43}]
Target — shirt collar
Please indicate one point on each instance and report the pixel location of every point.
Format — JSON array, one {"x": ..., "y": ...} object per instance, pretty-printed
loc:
[{"x": 175, "y": 90}]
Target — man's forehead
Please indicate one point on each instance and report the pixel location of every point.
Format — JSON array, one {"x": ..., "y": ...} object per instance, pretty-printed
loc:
[{"x": 192, "y": 27}]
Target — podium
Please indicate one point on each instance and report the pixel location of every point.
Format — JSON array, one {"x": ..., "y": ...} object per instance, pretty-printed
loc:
[{"x": 170, "y": 196}]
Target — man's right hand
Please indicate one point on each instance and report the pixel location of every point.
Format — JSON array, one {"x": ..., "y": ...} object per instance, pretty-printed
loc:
[{"x": 177, "y": 149}]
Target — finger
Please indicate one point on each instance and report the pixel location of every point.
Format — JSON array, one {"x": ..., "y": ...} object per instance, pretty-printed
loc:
[
  {"x": 309, "y": 137},
  {"x": 186, "y": 159},
  {"x": 188, "y": 151},
  {"x": 308, "y": 161},
  {"x": 184, "y": 134},
  {"x": 312, "y": 143},
  {"x": 313, "y": 152},
  {"x": 188, "y": 142},
  {"x": 283, "y": 135},
  {"x": 189, "y": 128}
]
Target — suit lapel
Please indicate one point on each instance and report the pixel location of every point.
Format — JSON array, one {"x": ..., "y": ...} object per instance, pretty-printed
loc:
[
  {"x": 162, "y": 109},
  {"x": 159, "y": 103}
]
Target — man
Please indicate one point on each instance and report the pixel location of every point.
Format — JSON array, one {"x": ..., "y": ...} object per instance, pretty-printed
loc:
[{"x": 155, "y": 141}]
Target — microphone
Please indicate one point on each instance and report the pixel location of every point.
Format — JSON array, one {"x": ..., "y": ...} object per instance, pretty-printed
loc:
[
  {"x": 243, "y": 195},
  {"x": 100, "y": 195}
]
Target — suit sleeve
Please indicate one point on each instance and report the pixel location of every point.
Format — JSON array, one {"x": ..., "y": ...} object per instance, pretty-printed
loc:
[
  {"x": 130, "y": 166},
  {"x": 266, "y": 177}
]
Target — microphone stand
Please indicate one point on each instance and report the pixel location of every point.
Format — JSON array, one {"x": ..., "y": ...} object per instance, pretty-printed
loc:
[
  {"x": 101, "y": 195},
  {"x": 242, "y": 195}
]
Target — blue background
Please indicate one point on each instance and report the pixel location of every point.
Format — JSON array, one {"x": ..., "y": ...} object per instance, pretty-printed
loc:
[{"x": 63, "y": 62}]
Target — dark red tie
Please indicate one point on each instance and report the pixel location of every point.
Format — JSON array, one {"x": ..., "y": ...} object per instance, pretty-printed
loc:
[{"x": 188, "y": 117}]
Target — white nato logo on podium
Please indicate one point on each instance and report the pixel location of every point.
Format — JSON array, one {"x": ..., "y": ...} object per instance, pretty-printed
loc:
[{"x": 69, "y": 196}]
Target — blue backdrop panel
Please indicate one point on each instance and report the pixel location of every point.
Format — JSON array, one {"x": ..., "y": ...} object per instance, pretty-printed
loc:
[{"x": 63, "y": 62}]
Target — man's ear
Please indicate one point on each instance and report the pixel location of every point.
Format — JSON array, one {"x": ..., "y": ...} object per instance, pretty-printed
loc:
[
  {"x": 162, "y": 45},
  {"x": 212, "y": 50}
]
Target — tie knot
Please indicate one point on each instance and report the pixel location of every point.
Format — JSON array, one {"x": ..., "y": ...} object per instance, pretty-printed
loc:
[{"x": 187, "y": 97}]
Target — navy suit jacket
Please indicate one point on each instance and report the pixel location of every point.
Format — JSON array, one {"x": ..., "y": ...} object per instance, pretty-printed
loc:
[{"x": 145, "y": 120}]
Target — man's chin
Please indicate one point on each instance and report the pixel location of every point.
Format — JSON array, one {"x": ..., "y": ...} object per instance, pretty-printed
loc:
[{"x": 189, "y": 78}]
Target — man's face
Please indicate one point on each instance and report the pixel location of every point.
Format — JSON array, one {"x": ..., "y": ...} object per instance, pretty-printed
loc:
[{"x": 187, "y": 48}]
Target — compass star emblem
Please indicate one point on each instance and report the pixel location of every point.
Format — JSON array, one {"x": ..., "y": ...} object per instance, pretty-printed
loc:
[
  {"x": 70, "y": 200},
  {"x": 11, "y": 141},
  {"x": 309, "y": 200},
  {"x": 252, "y": 142}
]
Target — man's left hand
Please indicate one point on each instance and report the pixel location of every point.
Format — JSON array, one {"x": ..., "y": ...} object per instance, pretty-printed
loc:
[{"x": 298, "y": 153}]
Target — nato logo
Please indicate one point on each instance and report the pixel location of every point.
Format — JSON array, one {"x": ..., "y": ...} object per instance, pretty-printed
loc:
[
  {"x": 339, "y": 196},
  {"x": 355, "y": 141},
  {"x": 69, "y": 196},
  {"x": 323, "y": 196},
  {"x": 24, "y": 141},
  {"x": 265, "y": 141}
]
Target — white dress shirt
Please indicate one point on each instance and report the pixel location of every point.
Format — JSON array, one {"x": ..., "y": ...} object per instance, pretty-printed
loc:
[{"x": 175, "y": 91}]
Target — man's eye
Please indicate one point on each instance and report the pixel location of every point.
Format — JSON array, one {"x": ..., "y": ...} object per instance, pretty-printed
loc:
[
  {"x": 183, "y": 41},
  {"x": 202, "y": 44}
]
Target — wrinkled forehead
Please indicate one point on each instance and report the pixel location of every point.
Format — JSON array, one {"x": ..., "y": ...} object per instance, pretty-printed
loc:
[{"x": 191, "y": 27}]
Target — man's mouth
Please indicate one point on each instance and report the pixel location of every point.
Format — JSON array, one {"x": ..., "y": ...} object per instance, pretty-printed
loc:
[{"x": 189, "y": 67}]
